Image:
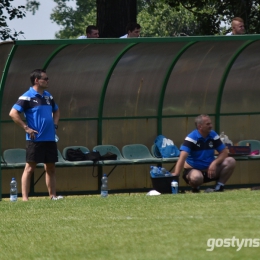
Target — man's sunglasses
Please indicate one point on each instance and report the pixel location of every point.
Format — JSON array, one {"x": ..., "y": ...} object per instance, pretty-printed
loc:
[{"x": 46, "y": 79}]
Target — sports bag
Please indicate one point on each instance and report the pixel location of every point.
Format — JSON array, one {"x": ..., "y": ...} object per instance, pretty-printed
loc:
[
  {"x": 108, "y": 156},
  {"x": 166, "y": 147},
  {"x": 75, "y": 155},
  {"x": 93, "y": 156}
]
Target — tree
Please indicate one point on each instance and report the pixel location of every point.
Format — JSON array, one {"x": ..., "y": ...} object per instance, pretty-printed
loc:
[
  {"x": 210, "y": 13},
  {"x": 7, "y": 11},
  {"x": 74, "y": 22},
  {"x": 199, "y": 17},
  {"x": 163, "y": 21},
  {"x": 111, "y": 16}
]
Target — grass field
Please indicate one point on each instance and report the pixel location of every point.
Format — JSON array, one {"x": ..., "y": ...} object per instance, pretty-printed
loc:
[{"x": 133, "y": 226}]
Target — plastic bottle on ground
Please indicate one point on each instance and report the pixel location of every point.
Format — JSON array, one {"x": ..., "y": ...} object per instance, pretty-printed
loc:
[
  {"x": 13, "y": 190},
  {"x": 104, "y": 186},
  {"x": 174, "y": 185}
]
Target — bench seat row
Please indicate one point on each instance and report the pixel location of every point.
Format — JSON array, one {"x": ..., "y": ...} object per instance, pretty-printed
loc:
[{"x": 131, "y": 154}]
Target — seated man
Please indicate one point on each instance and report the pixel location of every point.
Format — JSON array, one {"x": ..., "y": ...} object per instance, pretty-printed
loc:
[
  {"x": 197, "y": 157},
  {"x": 91, "y": 32},
  {"x": 133, "y": 30}
]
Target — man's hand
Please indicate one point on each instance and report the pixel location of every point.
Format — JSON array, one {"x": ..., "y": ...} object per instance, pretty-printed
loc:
[
  {"x": 212, "y": 170},
  {"x": 175, "y": 174},
  {"x": 30, "y": 132}
]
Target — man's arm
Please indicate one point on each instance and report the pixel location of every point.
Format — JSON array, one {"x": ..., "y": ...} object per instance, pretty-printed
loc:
[
  {"x": 180, "y": 163},
  {"x": 213, "y": 166},
  {"x": 15, "y": 115},
  {"x": 222, "y": 156},
  {"x": 56, "y": 117}
]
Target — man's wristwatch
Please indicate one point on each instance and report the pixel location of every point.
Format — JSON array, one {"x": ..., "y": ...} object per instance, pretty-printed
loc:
[{"x": 56, "y": 126}]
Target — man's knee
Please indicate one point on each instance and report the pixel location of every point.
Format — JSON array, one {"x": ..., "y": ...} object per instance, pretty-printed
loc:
[
  {"x": 230, "y": 162},
  {"x": 195, "y": 178},
  {"x": 29, "y": 168},
  {"x": 50, "y": 168}
]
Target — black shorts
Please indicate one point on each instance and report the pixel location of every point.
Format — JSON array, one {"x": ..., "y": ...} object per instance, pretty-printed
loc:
[
  {"x": 204, "y": 173},
  {"x": 41, "y": 152}
]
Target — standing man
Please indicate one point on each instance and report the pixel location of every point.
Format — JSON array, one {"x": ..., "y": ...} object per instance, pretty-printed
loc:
[
  {"x": 42, "y": 117},
  {"x": 91, "y": 32},
  {"x": 238, "y": 27},
  {"x": 133, "y": 30},
  {"x": 198, "y": 160}
]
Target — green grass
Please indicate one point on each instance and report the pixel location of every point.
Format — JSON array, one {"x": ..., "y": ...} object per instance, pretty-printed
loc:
[{"x": 127, "y": 227}]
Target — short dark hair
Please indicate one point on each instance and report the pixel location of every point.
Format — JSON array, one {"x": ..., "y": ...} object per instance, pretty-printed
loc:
[
  {"x": 36, "y": 74},
  {"x": 132, "y": 26},
  {"x": 90, "y": 28},
  {"x": 199, "y": 119}
]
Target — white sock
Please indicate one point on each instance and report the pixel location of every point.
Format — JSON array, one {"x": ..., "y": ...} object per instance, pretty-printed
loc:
[{"x": 218, "y": 185}]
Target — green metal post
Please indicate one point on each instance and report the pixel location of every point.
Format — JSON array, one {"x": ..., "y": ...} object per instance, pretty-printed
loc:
[
  {"x": 54, "y": 53},
  {"x": 165, "y": 82},
  {"x": 2, "y": 86},
  {"x": 223, "y": 81},
  {"x": 101, "y": 102}
]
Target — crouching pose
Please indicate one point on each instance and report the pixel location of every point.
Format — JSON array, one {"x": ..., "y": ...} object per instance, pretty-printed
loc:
[{"x": 198, "y": 160}]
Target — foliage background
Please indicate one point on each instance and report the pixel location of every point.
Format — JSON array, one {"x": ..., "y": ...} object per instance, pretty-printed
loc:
[{"x": 158, "y": 18}]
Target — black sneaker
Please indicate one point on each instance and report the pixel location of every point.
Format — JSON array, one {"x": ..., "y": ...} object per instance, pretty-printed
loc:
[{"x": 208, "y": 190}]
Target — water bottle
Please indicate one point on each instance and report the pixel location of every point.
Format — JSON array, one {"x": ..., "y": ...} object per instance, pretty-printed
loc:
[
  {"x": 164, "y": 172},
  {"x": 222, "y": 137},
  {"x": 174, "y": 185},
  {"x": 56, "y": 138},
  {"x": 104, "y": 187},
  {"x": 13, "y": 190},
  {"x": 167, "y": 174},
  {"x": 154, "y": 170}
]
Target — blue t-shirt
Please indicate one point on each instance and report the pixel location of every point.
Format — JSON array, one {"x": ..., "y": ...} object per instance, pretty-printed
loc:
[
  {"x": 201, "y": 150},
  {"x": 38, "y": 111}
]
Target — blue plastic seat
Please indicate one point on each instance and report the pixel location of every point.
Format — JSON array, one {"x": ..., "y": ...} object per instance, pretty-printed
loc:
[
  {"x": 61, "y": 162},
  {"x": 139, "y": 153},
  {"x": 15, "y": 157}
]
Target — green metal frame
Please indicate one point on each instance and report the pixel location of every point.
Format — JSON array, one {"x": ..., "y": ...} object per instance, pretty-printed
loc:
[
  {"x": 104, "y": 89},
  {"x": 48, "y": 61},
  {"x": 223, "y": 81},
  {"x": 165, "y": 82},
  {"x": 101, "y": 102}
]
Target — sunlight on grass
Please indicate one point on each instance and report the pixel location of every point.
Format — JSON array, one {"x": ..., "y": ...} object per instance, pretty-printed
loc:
[{"x": 133, "y": 226}]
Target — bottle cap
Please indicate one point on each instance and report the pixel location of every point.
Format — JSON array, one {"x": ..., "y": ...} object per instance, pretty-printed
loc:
[
  {"x": 174, "y": 183},
  {"x": 105, "y": 174}
]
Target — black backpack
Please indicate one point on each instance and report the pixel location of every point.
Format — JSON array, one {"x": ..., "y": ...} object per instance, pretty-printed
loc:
[
  {"x": 108, "y": 156},
  {"x": 93, "y": 156},
  {"x": 78, "y": 155},
  {"x": 75, "y": 155}
]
